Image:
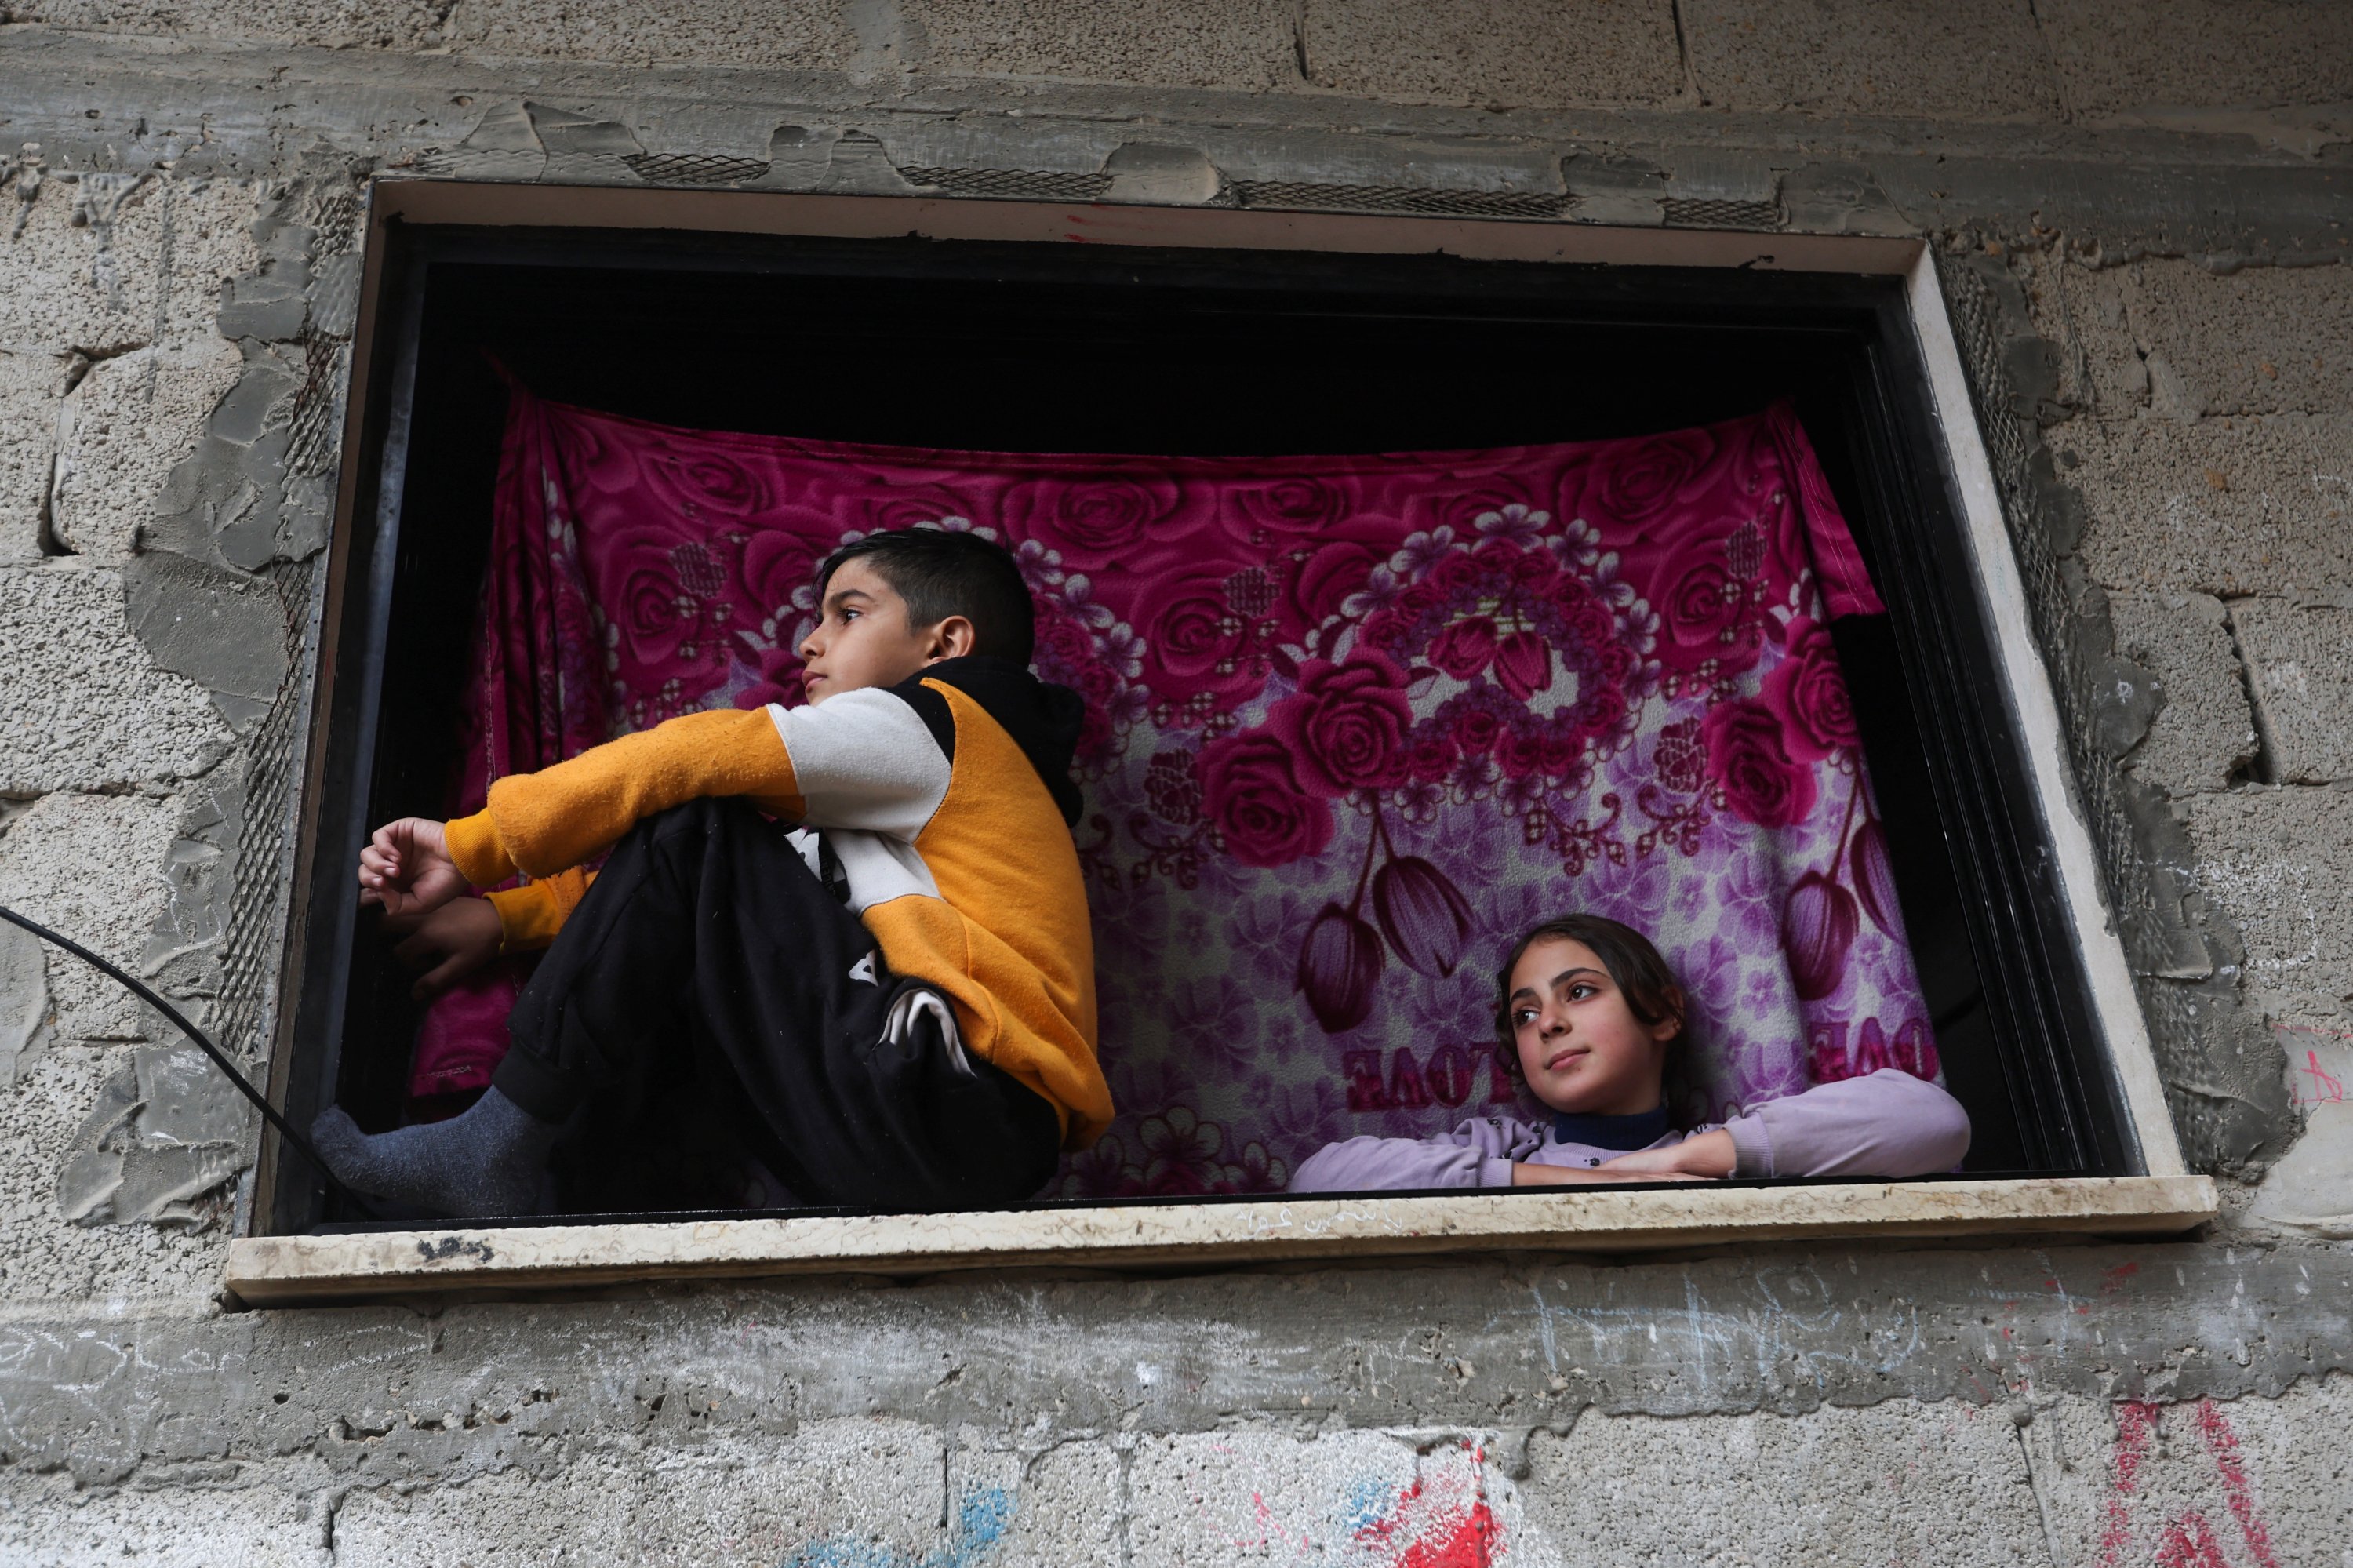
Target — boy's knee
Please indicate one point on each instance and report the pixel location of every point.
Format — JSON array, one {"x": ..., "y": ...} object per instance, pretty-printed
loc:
[{"x": 702, "y": 816}]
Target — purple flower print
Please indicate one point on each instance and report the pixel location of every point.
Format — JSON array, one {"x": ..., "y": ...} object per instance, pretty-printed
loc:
[
  {"x": 1634, "y": 891},
  {"x": 1212, "y": 1019},
  {"x": 1283, "y": 1039},
  {"x": 1266, "y": 925},
  {"x": 1817, "y": 929},
  {"x": 1710, "y": 974},
  {"x": 1144, "y": 1086},
  {"x": 1100, "y": 1170},
  {"x": 1421, "y": 552},
  {"x": 1256, "y": 1171},
  {"x": 1694, "y": 896},
  {"x": 1747, "y": 896},
  {"x": 1455, "y": 1010},
  {"x": 1381, "y": 588},
  {"x": 1466, "y": 647},
  {"x": 1514, "y": 522},
  {"x": 1486, "y": 849},
  {"x": 1122, "y": 999},
  {"x": 1507, "y": 908},
  {"x": 1131, "y": 922},
  {"x": 1423, "y": 915},
  {"x": 1304, "y": 1116},
  {"x": 1874, "y": 879},
  {"x": 1180, "y": 1153},
  {"x": 1523, "y": 665},
  {"x": 1339, "y": 964},
  {"x": 1756, "y": 1077}
]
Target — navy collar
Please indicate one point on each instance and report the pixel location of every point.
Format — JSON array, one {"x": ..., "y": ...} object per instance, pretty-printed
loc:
[{"x": 1637, "y": 1131}]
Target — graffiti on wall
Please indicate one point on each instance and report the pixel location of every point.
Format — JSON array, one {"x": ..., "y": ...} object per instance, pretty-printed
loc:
[
  {"x": 2168, "y": 1532},
  {"x": 981, "y": 1521}
]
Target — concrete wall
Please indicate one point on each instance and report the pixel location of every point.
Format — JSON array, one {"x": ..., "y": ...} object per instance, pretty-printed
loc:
[{"x": 2143, "y": 220}]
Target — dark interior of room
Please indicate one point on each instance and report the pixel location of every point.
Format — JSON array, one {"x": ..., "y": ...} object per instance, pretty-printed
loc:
[{"x": 1019, "y": 348}]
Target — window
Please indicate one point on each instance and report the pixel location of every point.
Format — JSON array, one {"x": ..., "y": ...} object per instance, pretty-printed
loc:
[{"x": 957, "y": 325}]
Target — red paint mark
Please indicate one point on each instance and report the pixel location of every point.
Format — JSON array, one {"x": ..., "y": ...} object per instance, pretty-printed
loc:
[
  {"x": 2327, "y": 1090},
  {"x": 2223, "y": 1444},
  {"x": 2134, "y": 1420},
  {"x": 1425, "y": 1531},
  {"x": 2114, "y": 1279},
  {"x": 2188, "y": 1543}
]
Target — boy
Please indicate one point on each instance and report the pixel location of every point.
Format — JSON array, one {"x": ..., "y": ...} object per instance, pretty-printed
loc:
[{"x": 896, "y": 977}]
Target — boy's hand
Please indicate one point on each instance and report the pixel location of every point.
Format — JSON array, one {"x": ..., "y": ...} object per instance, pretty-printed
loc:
[
  {"x": 407, "y": 869},
  {"x": 449, "y": 944}
]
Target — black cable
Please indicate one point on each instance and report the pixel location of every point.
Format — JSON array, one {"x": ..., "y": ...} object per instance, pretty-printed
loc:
[{"x": 300, "y": 1144}]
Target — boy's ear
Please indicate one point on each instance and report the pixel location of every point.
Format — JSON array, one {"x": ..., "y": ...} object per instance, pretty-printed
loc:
[{"x": 951, "y": 638}]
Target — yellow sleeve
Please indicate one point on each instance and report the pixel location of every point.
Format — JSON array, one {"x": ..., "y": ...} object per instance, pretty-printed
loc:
[
  {"x": 541, "y": 824},
  {"x": 530, "y": 915}
]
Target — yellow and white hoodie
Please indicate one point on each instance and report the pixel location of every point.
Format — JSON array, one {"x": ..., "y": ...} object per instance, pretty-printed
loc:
[{"x": 946, "y": 802}]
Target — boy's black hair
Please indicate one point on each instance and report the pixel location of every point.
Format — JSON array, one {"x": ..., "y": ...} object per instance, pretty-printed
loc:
[
  {"x": 940, "y": 573},
  {"x": 1641, "y": 975}
]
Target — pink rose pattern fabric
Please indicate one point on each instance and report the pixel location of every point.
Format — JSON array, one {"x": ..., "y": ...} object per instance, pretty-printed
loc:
[{"x": 1352, "y": 723}]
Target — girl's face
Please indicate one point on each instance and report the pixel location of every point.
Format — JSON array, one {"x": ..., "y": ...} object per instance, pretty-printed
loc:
[{"x": 1581, "y": 1047}]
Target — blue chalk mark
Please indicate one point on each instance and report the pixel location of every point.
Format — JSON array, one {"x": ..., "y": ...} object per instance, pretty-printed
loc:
[
  {"x": 981, "y": 1523},
  {"x": 1367, "y": 1505},
  {"x": 982, "y": 1520}
]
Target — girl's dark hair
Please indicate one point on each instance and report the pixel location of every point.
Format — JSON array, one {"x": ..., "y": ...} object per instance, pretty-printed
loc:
[
  {"x": 1641, "y": 975},
  {"x": 941, "y": 573}
]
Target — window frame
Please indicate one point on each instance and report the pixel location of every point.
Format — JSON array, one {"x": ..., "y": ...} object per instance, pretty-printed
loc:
[{"x": 2005, "y": 784}]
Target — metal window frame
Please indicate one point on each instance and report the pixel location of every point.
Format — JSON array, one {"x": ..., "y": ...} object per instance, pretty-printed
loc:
[{"x": 1959, "y": 587}]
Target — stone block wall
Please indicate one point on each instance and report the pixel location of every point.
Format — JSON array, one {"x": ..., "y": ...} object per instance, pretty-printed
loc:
[{"x": 2148, "y": 213}]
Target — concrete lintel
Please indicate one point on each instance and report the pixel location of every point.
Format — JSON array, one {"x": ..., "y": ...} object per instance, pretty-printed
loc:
[
  {"x": 427, "y": 201},
  {"x": 284, "y": 1270}
]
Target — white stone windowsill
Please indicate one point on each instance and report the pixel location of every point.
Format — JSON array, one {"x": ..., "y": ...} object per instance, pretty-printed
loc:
[{"x": 269, "y": 1271}]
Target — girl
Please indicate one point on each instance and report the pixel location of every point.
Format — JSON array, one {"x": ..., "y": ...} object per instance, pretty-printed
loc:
[{"x": 1589, "y": 1015}]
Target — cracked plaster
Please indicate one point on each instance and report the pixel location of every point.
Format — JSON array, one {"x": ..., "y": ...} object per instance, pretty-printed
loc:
[
  {"x": 149, "y": 274},
  {"x": 32, "y": 386},
  {"x": 2299, "y": 659},
  {"x": 120, "y": 430},
  {"x": 43, "y": 1258},
  {"x": 2223, "y": 506},
  {"x": 2260, "y": 340},
  {"x": 82, "y": 706},
  {"x": 93, "y": 866},
  {"x": 2202, "y": 733}
]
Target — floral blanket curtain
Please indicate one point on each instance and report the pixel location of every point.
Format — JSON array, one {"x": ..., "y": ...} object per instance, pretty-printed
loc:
[{"x": 1353, "y": 723}]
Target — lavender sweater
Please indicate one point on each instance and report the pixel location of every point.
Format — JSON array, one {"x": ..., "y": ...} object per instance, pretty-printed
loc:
[{"x": 1887, "y": 1123}]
